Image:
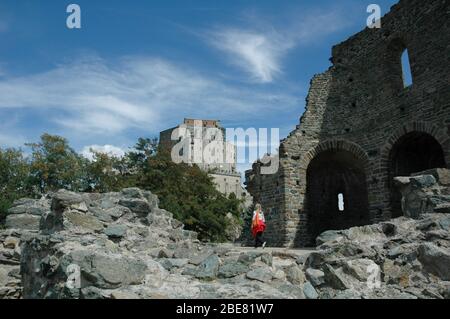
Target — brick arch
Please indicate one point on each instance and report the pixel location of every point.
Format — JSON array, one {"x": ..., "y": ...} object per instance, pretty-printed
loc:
[
  {"x": 336, "y": 145},
  {"x": 392, "y": 196},
  {"x": 423, "y": 127},
  {"x": 319, "y": 210}
]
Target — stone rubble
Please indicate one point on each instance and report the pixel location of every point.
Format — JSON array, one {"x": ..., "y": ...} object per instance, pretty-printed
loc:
[
  {"x": 10, "y": 252},
  {"x": 123, "y": 246},
  {"x": 425, "y": 192}
]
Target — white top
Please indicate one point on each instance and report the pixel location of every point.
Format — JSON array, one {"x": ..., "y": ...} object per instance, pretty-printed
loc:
[{"x": 261, "y": 216}]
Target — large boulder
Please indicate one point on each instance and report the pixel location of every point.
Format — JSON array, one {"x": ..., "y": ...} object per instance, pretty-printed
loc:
[
  {"x": 83, "y": 221},
  {"x": 315, "y": 276},
  {"x": 116, "y": 231},
  {"x": 109, "y": 215},
  {"x": 328, "y": 236},
  {"x": 295, "y": 275},
  {"x": 106, "y": 270},
  {"x": 442, "y": 175},
  {"x": 29, "y": 206},
  {"x": 336, "y": 278},
  {"x": 425, "y": 193},
  {"x": 309, "y": 291},
  {"x": 23, "y": 221},
  {"x": 52, "y": 270},
  {"x": 26, "y": 213},
  {"x": 171, "y": 263},
  {"x": 209, "y": 268},
  {"x": 362, "y": 269},
  {"x": 232, "y": 269},
  {"x": 64, "y": 199},
  {"x": 138, "y": 206},
  {"x": 262, "y": 274},
  {"x": 435, "y": 260},
  {"x": 395, "y": 274}
]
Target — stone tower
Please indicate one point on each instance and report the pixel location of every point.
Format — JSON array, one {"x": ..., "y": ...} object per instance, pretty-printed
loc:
[
  {"x": 362, "y": 127},
  {"x": 223, "y": 173}
]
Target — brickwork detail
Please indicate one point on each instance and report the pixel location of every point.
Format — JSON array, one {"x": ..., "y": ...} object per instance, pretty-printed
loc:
[{"x": 361, "y": 108}]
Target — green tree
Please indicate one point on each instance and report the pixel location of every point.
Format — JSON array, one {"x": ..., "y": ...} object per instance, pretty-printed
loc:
[
  {"x": 106, "y": 173},
  {"x": 184, "y": 190},
  {"x": 189, "y": 194},
  {"x": 54, "y": 165},
  {"x": 14, "y": 178},
  {"x": 144, "y": 149}
]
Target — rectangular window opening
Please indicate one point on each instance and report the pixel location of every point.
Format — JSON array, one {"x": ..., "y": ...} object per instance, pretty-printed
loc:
[
  {"x": 341, "y": 202},
  {"x": 406, "y": 66}
]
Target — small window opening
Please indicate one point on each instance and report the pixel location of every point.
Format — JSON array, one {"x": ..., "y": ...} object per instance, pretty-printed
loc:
[
  {"x": 341, "y": 202},
  {"x": 406, "y": 67}
]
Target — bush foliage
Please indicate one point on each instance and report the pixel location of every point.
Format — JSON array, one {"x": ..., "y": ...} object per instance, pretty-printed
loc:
[{"x": 184, "y": 190}]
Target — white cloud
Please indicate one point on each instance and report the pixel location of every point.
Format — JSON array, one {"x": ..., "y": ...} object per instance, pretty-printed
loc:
[
  {"x": 111, "y": 150},
  {"x": 259, "y": 51},
  {"x": 258, "y": 54},
  {"x": 91, "y": 96}
]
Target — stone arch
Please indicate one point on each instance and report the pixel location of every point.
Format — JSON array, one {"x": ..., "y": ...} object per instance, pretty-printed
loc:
[
  {"x": 415, "y": 147},
  {"x": 335, "y": 171},
  {"x": 423, "y": 127},
  {"x": 335, "y": 145}
]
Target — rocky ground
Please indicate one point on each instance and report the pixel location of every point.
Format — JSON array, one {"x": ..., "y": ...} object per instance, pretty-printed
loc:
[
  {"x": 121, "y": 245},
  {"x": 10, "y": 278}
]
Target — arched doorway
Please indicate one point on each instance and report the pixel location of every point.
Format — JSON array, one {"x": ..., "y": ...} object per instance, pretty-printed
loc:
[
  {"x": 336, "y": 193},
  {"x": 412, "y": 153}
]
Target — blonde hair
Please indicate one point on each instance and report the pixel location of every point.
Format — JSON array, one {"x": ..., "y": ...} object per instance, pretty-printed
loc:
[{"x": 258, "y": 207}]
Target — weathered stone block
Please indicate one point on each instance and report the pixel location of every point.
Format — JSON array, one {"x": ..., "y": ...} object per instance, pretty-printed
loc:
[{"x": 23, "y": 221}]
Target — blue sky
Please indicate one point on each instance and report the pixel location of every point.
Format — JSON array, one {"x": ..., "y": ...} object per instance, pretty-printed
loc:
[{"x": 139, "y": 67}]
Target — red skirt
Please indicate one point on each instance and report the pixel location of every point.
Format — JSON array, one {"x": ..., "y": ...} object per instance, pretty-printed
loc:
[{"x": 258, "y": 229}]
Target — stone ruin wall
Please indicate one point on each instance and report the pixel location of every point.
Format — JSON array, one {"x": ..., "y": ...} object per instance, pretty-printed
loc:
[{"x": 359, "y": 112}]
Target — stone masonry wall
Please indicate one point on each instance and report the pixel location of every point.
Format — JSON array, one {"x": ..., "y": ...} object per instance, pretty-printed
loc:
[{"x": 360, "y": 107}]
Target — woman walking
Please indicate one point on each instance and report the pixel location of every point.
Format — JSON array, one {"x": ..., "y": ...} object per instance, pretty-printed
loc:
[{"x": 258, "y": 226}]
